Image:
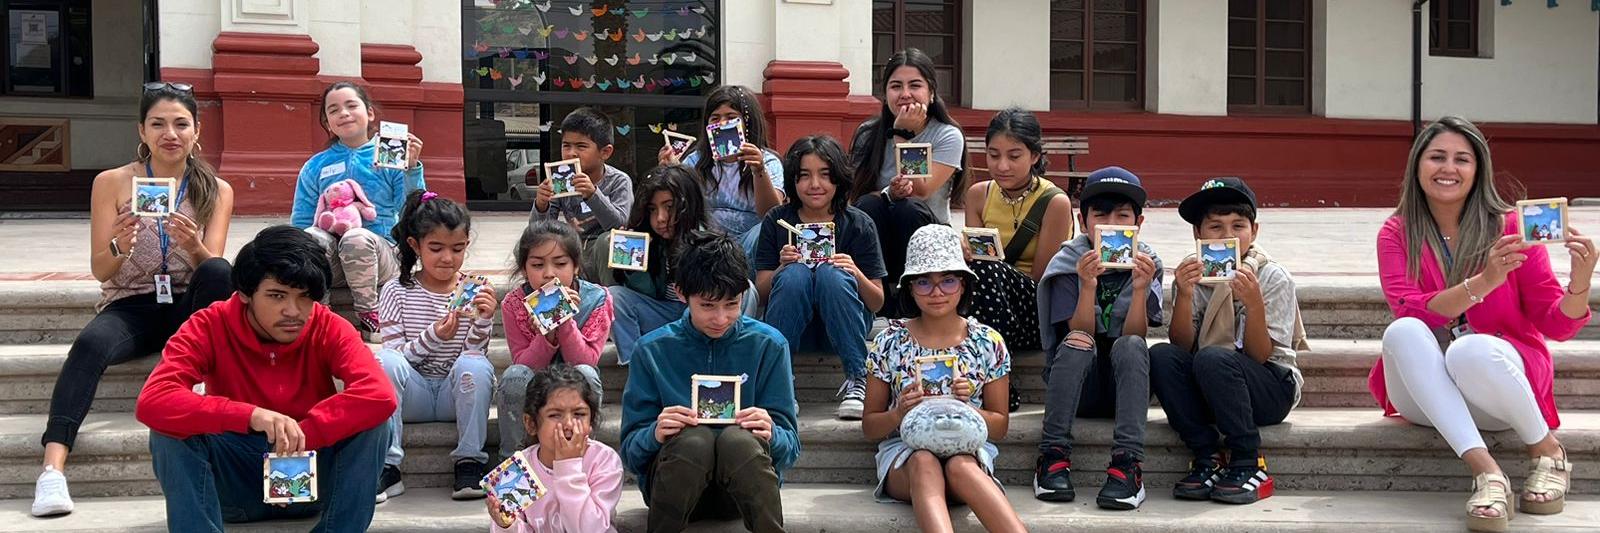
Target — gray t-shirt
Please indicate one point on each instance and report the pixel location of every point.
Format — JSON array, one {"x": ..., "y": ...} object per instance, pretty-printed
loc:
[
  {"x": 1277, "y": 290},
  {"x": 948, "y": 144},
  {"x": 607, "y": 209}
]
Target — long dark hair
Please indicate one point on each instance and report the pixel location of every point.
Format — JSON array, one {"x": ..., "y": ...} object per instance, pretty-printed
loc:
[
  {"x": 868, "y": 147},
  {"x": 203, "y": 178},
  {"x": 322, "y": 109},
  {"x": 420, "y": 217},
  {"x": 683, "y": 185},
  {"x": 1482, "y": 219},
  {"x": 825, "y": 148},
  {"x": 1020, "y": 124},
  {"x": 755, "y": 132},
  {"x": 539, "y": 232}
]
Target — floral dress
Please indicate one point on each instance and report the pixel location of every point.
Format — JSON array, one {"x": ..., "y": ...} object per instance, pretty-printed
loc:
[{"x": 981, "y": 358}]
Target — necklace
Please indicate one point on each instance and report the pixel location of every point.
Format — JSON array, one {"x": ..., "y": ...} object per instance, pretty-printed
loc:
[{"x": 1016, "y": 203}]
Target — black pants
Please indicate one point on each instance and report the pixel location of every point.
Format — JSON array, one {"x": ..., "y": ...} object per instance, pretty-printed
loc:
[
  {"x": 1219, "y": 386},
  {"x": 706, "y": 473},
  {"x": 896, "y": 220},
  {"x": 127, "y": 329}
]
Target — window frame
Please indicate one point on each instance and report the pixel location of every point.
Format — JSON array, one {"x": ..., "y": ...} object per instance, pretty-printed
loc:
[
  {"x": 1088, "y": 103},
  {"x": 83, "y": 79},
  {"x": 1260, "y": 77},
  {"x": 958, "y": 67},
  {"x": 1439, "y": 30}
]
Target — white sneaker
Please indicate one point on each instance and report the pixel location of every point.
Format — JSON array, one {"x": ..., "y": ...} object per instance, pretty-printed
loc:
[
  {"x": 854, "y": 392},
  {"x": 50, "y": 495}
]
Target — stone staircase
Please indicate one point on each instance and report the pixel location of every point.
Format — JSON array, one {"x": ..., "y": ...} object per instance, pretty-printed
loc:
[{"x": 1339, "y": 465}]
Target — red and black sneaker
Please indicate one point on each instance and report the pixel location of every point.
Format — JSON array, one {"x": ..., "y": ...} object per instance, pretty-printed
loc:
[
  {"x": 1052, "y": 476},
  {"x": 1203, "y": 475},
  {"x": 1124, "y": 488},
  {"x": 1244, "y": 482}
]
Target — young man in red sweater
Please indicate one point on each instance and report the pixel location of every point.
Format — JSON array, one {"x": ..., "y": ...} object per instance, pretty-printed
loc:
[{"x": 269, "y": 357}]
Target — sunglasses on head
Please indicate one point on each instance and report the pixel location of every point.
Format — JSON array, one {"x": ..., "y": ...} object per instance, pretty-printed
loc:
[{"x": 159, "y": 85}]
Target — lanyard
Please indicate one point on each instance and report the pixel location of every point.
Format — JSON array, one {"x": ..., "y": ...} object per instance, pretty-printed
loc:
[
  {"x": 1449, "y": 263},
  {"x": 161, "y": 227}
]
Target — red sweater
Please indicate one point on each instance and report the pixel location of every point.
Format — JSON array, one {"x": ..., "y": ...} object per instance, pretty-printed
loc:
[{"x": 217, "y": 346}]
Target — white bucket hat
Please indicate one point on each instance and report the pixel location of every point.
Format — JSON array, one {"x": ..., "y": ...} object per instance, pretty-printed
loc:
[{"x": 935, "y": 248}]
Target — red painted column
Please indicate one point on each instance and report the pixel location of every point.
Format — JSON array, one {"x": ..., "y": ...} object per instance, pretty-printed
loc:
[
  {"x": 432, "y": 110},
  {"x": 266, "y": 87},
  {"x": 810, "y": 97}
]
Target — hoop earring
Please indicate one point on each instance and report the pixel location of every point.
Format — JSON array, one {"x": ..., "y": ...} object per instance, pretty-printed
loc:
[
  {"x": 142, "y": 152},
  {"x": 195, "y": 151}
]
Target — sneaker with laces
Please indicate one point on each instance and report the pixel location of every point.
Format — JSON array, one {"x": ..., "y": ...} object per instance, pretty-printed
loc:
[
  {"x": 1243, "y": 482},
  {"x": 854, "y": 392},
  {"x": 389, "y": 483},
  {"x": 469, "y": 478},
  {"x": 368, "y": 321},
  {"x": 1052, "y": 476},
  {"x": 1124, "y": 487},
  {"x": 1203, "y": 475},
  {"x": 50, "y": 496}
]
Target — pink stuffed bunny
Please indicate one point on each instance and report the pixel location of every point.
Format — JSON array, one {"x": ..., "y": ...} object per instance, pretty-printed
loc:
[{"x": 343, "y": 206}]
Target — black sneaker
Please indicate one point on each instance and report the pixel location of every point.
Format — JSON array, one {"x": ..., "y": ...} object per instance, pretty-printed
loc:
[
  {"x": 389, "y": 483},
  {"x": 1203, "y": 475},
  {"x": 1052, "y": 476},
  {"x": 1124, "y": 488},
  {"x": 469, "y": 479},
  {"x": 1244, "y": 482}
]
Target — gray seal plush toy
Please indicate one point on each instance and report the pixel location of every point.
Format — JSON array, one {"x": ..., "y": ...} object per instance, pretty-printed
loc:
[{"x": 947, "y": 427}]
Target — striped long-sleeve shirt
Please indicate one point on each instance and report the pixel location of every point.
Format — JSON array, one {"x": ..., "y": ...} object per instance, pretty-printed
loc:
[{"x": 406, "y": 316}]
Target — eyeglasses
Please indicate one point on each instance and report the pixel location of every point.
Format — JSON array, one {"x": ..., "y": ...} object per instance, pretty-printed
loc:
[
  {"x": 924, "y": 286},
  {"x": 159, "y": 85}
]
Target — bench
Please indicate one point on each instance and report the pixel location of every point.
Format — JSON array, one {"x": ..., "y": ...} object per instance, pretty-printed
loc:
[{"x": 1070, "y": 180}]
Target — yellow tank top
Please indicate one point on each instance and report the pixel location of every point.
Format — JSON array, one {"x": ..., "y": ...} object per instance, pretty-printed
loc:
[{"x": 1000, "y": 214}]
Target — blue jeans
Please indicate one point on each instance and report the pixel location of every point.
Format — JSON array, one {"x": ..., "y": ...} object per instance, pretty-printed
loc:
[
  {"x": 210, "y": 480},
  {"x": 802, "y": 296},
  {"x": 462, "y": 397},
  {"x": 635, "y": 314}
]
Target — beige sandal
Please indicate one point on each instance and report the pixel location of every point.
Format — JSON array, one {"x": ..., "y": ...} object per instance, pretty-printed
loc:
[
  {"x": 1489, "y": 490},
  {"x": 1551, "y": 477}
]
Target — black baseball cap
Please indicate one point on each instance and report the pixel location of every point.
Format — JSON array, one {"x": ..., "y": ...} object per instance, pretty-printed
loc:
[
  {"x": 1225, "y": 190},
  {"x": 1115, "y": 180}
]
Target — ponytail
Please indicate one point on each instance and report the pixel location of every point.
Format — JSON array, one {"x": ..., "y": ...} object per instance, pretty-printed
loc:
[{"x": 424, "y": 212}]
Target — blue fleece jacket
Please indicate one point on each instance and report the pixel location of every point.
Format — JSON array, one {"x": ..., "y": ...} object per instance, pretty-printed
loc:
[
  {"x": 385, "y": 187},
  {"x": 659, "y": 376}
]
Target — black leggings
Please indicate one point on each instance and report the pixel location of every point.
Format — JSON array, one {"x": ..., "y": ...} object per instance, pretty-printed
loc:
[
  {"x": 896, "y": 220},
  {"x": 127, "y": 329}
]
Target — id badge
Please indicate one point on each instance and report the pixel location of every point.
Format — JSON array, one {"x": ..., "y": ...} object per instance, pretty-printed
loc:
[
  {"x": 163, "y": 289},
  {"x": 1460, "y": 331}
]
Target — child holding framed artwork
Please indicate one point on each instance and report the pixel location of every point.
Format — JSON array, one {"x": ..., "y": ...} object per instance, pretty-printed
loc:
[{"x": 744, "y": 181}]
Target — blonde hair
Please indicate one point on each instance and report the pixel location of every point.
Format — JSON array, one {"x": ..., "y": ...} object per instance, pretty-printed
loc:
[{"x": 1482, "y": 218}]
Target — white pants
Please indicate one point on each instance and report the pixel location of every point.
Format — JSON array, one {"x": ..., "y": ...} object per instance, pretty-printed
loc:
[{"x": 1478, "y": 384}]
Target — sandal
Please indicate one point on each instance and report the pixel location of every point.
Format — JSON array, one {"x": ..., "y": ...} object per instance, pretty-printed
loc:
[
  {"x": 1489, "y": 490},
  {"x": 1550, "y": 476}
]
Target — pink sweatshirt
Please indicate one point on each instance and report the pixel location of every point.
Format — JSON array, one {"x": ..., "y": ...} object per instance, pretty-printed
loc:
[
  {"x": 583, "y": 493},
  {"x": 578, "y": 345},
  {"x": 1524, "y": 310}
]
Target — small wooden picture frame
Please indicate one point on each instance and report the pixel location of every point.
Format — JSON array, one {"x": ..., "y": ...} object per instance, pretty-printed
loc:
[
  {"x": 816, "y": 242},
  {"x": 511, "y": 488},
  {"x": 154, "y": 197},
  {"x": 560, "y": 175},
  {"x": 937, "y": 374},
  {"x": 1543, "y": 220},
  {"x": 289, "y": 478},
  {"x": 549, "y": 307},
  {"x": 678, "y": 144},
  {"x": 466, "y": 289},
  {"x": 715, "y": 398},
  {"x": 913, "y": 160},
  {"x": 1219, "y": 259},
  {"x": 393, "y": 143},
  {"x": 1116, "y": 245},
  {"x": 985, "y": 244},
  {"x": 629, "y": 250},
  {"x": 726, "y": 138}
]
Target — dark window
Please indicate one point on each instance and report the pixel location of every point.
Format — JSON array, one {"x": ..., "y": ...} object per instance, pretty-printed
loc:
[
  {"x": 1096, "y": 54},
  {"x": 933, "y": 26},
  {"x": 1454, "y": 28},
  {"x": 1269, "y": 56},
  {"x": 47, "y": 50},
  {"x": 646, "y": 65}
]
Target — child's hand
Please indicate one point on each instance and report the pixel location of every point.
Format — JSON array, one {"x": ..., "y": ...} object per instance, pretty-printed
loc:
[
  {"x": 755, "y": 420},
  {"x": 900, "y": 187},
  {"x": 789, "y": 254},
  {"x": 485, "y": 302},
  {"x": 1247, "y": 289},
  {"x": 445, "y": 328},
  {"x": 542, "y": 196},
  {"x": 1144, "y": 271},
  {"x": 752, "y": 157},
  {"x": 571, "y": 440},
  {"x": 672, "y": 420},
  {"x": 664, "y": 156},
  {"x": 1186, "y": 277},
  {"x": 847, "y": 264},
  {"x": 413, "y": 150},
  {"x": 583, "y": 185},
  {"x": 1089, "y": 271},
  {"x": 912, "y": 116},
  {"x": 909, "y": 397},
  {"x": 963, "y": 389}
]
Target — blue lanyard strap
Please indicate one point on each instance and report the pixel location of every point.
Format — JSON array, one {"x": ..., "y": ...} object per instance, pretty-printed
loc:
[
  {"x": 161, "y": 226},
  {"x": 1449, "y": 263}
]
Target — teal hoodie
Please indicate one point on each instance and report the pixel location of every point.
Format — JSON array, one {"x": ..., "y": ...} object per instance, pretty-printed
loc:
[
  {"x": 385, "y": 187},
  {"x": 659, "y": 376}
]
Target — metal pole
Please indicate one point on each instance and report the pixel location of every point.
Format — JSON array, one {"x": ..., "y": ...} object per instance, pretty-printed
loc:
[{"x": 1416, "y": 67}]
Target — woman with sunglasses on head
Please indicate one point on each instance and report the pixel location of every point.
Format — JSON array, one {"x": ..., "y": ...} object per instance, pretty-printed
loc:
[{"x": 154, "y": 271}]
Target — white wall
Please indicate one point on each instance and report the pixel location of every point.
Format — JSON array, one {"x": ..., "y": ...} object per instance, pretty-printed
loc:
[
  {"x": 1186, "y": 57},
  {"x": 187, "y": 28},
  {"x": 1007, "y": 53},
  {"x": 748, "y": 34},
  {"x": 757, "y": 32},
  {"x": 336, "y": 27},
  {"x": 1361, "y": 59},
  {"x": 437, "y": 36},
  {"x": 1543, "y": 69}
]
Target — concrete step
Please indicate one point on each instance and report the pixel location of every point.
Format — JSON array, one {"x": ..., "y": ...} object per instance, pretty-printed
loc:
[
  {"x": 1315, "y": 449},
  {"x": 1332, "y": 307},
  {"x": 831, "y": 507},
  {"x": 1335, "y": 371}
]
